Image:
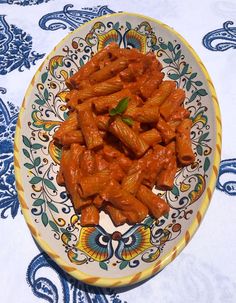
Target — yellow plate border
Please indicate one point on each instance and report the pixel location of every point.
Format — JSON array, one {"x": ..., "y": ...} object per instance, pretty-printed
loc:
[{"x": 171, "y": 255}]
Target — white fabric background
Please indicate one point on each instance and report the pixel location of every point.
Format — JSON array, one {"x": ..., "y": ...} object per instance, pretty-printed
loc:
[{"x": 206, "y": 270}]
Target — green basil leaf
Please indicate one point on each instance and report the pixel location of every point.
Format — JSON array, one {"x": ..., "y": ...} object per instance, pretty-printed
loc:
[
  {"x": 112, "y": 112},
  {"x": 120, "y": 108},
  {"x": 128, "y": 121}
]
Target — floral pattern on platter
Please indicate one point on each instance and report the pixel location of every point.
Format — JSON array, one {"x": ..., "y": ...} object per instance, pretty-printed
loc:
[
  {"x": 72, "y": 290},
  {"x": 71, "y": 19},
  {"x": 8, "y": 194},
  {"x": 142, "y": 242},
  {"x": 225, "y": 37},
  {"x": 15, "y": 48}
]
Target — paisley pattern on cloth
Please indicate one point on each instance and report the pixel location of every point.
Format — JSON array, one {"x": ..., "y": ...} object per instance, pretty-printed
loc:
[
  {"x": 67, "y": 288},
  {"x": 227, "y": 177},
  {"x": 71, "y": 19},
  {"x": 15, "y": 48},
  {"x": 221, "y": 39},
  {"x": 8, "y": 195},
  {"x": 23, "y": 2}
]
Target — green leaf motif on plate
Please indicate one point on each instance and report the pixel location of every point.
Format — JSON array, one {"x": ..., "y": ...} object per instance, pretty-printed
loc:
[
  {"x": 202, "y": 92},
  {"x": 81, "y": 62},
  {"x": 206, "y": 164},
  {"x": 44, "y": 77},
  {"x": 123, "y": 264},
  {"x": 26, "y": 153},
  {"x": 175, "y": 191},
  {"x": 49, "y": 184},
  {"x": 26, "y": 141},
  {"x": 170, "y": 46},
  {"x": 38, "y": 202},
  {"x": 35, "y": 180},
  {"x": 128, "y": 25},
  {"x": 116, "y": 26},
  {"x": 199, "y": 150},
  {"x": 28, "y": 165},
  {"x": 52, "y": 207},
  {"x": 54, "y": 226},
  {"x": 174, "y": 76},
  {"x": 203, "y": 137},
  {"x": 163, "y": 46},
  {"x": 37, "y": 146},
  {"x": 148, "y": 222},
  {"x": 168, "y": 60},
  {"x": 40, "y": 101},
  {"x": 37, "y": 161},
  {"x": 103, "y": 265},
  {"x": 46, "y": 94},
  {"x": 44, "y": 219}
]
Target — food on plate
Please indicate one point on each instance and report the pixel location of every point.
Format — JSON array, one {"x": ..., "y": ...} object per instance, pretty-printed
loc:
[{"x": 127, "y": 131}]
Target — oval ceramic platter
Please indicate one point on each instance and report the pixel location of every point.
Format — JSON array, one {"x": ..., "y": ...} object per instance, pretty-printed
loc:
[{"x": 105, "y": 255}]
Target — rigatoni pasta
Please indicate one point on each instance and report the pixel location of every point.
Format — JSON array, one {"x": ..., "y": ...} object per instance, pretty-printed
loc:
[{"x": 127, "y": 131}]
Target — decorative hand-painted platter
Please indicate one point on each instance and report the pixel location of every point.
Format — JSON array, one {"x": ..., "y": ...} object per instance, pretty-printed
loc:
[{"x": 105, "y": 255}]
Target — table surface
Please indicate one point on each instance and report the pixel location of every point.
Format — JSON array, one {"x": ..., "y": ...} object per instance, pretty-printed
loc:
[{"x": 206, "y": 270}]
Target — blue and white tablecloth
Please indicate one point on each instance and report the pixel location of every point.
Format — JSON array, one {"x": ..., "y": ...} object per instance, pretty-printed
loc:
[{"x": 206, "y": 270}]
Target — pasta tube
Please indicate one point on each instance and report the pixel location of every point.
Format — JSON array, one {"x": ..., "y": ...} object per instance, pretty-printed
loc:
[
  {"x": 151, "y": 137},
  {"x": 163, "y": 91},
  {"x": 89, "y": 215},
  {"x": 184, "y": 150},
  {"x": 89, "y": 129},
  {"x": 128, "y": 137},
  {"x": 172, "y": 103},
  {"x": 156, "y": 205},
  {"x": 121, "y": 199},
  {"x": 94, "y": 184}
]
